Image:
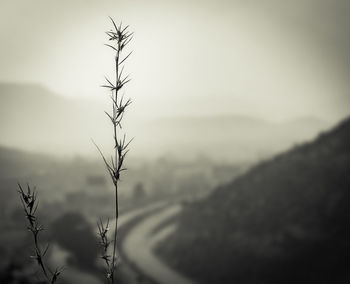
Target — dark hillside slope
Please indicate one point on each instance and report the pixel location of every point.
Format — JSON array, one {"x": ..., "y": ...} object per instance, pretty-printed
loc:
[{"x": 287, "y": 220}]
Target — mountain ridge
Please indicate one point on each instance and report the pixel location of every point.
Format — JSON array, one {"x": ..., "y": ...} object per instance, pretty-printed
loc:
[{"x": 33, "y": 118}]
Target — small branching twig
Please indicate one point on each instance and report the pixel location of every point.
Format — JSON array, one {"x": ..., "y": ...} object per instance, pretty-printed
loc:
[
  {"x": 120, "y": 38},
  {"x": 102, "y": 231},
  {"x": 30, "y": 205},
  {"x": 104, "y": 242}
]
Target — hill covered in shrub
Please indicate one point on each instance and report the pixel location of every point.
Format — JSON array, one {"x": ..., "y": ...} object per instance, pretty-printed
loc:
[{"x": 287, "y": 220}]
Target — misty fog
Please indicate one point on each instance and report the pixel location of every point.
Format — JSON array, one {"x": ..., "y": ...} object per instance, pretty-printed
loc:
[{"x": 237, "y": 171}]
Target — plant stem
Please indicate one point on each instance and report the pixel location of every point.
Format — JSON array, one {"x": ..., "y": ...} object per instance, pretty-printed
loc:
[
  {"x": 115, "y": 231},
  {"x": 30, "y": 205},
  {"x": 117, "y": 159},
  {"x": 115, "y": 167}
]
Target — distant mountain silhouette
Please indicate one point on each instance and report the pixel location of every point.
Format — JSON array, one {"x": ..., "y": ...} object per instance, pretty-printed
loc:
[
  {"x": 287, "y": 220},
  {"x": 36, "y": 119},
  {"x": 234, "y": 137}
]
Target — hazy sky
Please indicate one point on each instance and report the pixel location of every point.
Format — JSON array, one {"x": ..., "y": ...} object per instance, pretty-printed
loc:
[{"x": 271, "y": 59}]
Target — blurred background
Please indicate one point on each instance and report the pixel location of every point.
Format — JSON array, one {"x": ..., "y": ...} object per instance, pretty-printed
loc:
[{"x": 240, "y": 124}]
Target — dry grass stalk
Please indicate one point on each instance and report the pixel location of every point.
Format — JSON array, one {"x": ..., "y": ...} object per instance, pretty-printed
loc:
[
  {"x": 30, "y": 205},
  {"x": 120, "y": 37}
]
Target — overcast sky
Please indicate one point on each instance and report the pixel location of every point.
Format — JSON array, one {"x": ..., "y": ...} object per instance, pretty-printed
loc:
[{"x": 272, "y": 59}]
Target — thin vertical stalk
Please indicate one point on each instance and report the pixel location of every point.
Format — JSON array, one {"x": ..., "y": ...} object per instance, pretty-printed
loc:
[
  {"x": 120, "y": 37},
  {"x": 116, "y": 158},
  {"x": 30, "y": 206}
]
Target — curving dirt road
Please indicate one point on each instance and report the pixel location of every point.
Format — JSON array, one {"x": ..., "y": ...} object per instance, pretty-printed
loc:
[{"x": 140, "y": 241}]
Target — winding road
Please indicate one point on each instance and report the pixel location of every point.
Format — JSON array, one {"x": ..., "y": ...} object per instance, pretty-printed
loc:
[{"x": 140, "y": 241}]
